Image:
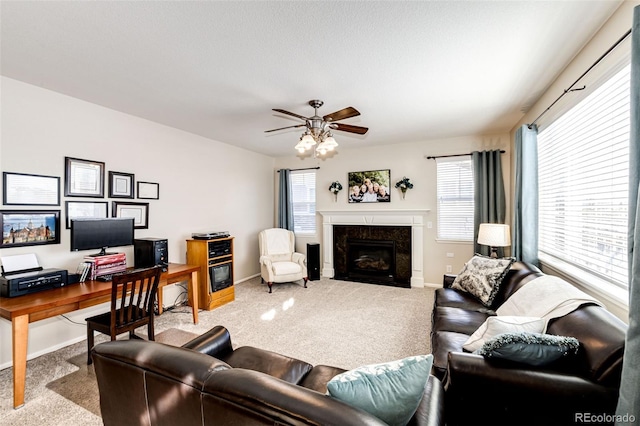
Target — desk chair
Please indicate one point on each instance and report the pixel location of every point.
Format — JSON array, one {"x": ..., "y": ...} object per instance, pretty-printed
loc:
[{"x": 136, "y": 291}]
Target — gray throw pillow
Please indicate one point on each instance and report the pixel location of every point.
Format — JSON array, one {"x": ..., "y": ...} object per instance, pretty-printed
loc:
[
  {"x": 481, "y": 277},
  {"x": 529, "y": 348}
]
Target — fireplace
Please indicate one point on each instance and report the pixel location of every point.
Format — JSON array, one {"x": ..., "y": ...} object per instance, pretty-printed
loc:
[
  {"x": 411, "y": 258},
  {"x": 371, "y": 260},
  {"x": 373, "y": 254}
]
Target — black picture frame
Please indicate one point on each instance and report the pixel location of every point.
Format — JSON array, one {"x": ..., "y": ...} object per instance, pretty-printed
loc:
[
  {"x": 85, "y": 209},
  {"x": 83, "y": 178},
  {"x": 29, "y": 227},
  {"x": 376, "y": 182},
  {"x": 138, "y": 211},
  {"x": 121, "y": 185},
  {"x": 23, "y": 189},
  {"x": 148, "y": 190}
]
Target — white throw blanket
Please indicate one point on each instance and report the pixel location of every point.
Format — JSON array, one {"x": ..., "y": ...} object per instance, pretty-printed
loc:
[{"x": 545, "y": 297}]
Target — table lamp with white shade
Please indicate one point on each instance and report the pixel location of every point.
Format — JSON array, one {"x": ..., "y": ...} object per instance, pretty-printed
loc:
[{"x": 494, "y": 235}]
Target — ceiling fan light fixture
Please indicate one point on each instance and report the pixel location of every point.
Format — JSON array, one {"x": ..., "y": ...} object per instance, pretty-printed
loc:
[
  {"x": 301, "y": 146},
  {"x": 307, "y": 140},
  {"x": 330, "y": 143}
]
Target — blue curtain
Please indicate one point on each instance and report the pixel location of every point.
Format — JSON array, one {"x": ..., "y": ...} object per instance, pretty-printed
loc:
[
  {"x": 285, "y": 208},
  {"x": 488, "y": 194},
  {"x": 524, "y": 235},
  {"x": 629, "y": 402}
]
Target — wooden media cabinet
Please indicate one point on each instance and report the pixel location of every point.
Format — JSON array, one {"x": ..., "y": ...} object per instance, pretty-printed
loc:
[{"x": 214, "y": 257}]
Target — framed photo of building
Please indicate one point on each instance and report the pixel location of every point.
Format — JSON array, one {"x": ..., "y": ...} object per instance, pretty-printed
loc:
[
  {"x": 83, "y": 178},
  {"x": 29, "y": 227},
  {"x": 138, "y": 211},
  {"x": 369, "y": 186}
]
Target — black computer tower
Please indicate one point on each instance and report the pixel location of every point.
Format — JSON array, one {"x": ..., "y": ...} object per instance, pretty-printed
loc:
[
  {"x": 313, "y": 261},
  {"x": 150, "y": 252}
]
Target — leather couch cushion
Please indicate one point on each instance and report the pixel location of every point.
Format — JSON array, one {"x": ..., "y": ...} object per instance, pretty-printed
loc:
[
  {"x": 457, "y": 320},
  {"x": 318, "y": 377},
  {"x": 459, "y": 299},
  {"x": 442, "y": 343},
  {"x": 283, "y": 367}
]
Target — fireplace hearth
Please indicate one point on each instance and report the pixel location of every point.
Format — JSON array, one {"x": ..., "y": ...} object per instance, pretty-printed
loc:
[{"x": 373, "y": 254}]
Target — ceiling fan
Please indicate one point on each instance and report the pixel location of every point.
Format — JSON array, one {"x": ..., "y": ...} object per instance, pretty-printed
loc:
[{"x": 319, "y": 128}]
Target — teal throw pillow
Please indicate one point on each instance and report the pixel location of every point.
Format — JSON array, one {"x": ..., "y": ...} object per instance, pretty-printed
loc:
[
  {"x": 529, "y": 348},
  {"x": 390, "y": 391}
]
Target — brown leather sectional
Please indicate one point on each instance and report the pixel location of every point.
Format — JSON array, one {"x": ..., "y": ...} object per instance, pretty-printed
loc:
[
  {"x": 480, "y": 391},
  {"x": 207, "y": 382}
]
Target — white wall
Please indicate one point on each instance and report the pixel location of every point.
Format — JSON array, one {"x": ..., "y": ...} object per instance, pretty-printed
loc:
[
  {"x": 403, "y": 160},
  {"x": 205, "y": 185}
]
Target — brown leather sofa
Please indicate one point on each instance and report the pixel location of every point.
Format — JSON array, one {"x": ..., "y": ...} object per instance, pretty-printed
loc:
[
  {"x": 207, "y": 382},
  {"x": 482, "y": 391}
]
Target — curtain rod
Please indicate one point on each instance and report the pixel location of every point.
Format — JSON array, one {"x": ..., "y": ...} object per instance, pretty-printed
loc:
[
  {"x": 433, "y": 157},
  {"x": 571, "y": 89},
  {"x": 307, "y": 168}
]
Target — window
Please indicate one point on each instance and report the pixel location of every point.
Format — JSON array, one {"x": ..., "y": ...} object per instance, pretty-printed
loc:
[
  {"x": 455, "y": 198},
  {"x": 583, "y": 168},
  {"x": 303, "y": 190}
]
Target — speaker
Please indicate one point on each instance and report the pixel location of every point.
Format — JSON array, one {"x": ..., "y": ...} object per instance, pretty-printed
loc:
[
  {"x": 148, "y": 252},
  {"x": 313, "y": 261}
]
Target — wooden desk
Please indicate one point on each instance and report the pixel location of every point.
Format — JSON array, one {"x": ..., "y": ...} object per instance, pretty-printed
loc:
[{"x": 22, "y": 310}]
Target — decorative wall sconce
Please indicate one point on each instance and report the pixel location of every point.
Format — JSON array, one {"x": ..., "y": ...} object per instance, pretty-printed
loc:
[
  {"x": 335, "y": 188},
  {"x": 404, "y": 184}
]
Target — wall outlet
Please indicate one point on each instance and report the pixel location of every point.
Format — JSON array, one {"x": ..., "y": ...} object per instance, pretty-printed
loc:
[
  {"x": 429, "y": 225},
  {"x": 448, "y": 268},
  {"x": 449, "y": 254}
]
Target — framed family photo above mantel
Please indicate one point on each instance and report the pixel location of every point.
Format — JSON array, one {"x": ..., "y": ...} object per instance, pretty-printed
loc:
[
  {"x": 370, "y": 186},
  {"x": 21, "y": 189},
  {"x": 138, "y": 211},
  {"x": 29, "y": 228},
  {"x": 83, "y": 178}
]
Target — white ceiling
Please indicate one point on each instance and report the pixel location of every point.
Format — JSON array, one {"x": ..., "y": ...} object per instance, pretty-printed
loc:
[{"x": 415, "y": 70}]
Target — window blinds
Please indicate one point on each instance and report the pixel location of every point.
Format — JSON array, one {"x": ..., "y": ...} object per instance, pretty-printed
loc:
[
  {"x": 583, "y": 171},
  {"x": 455, "y": 198},
  {"x": 303, "y": 190}
]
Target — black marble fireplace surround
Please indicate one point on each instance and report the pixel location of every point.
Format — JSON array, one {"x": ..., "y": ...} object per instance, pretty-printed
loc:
[{"x": 373, "y": 254}]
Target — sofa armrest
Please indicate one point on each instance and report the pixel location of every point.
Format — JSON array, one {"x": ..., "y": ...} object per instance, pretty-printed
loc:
[
  {"x": 447, "y": 280},
  {"x": 502, "y": 390},
  {"x": 215, "y": 342}
]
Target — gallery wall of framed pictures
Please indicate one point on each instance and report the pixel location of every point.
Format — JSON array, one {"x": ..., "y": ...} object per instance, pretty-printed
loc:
[{"x": 82, "y": 179}]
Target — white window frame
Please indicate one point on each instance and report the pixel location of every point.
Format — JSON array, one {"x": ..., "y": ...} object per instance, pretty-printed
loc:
[
  {"x": 615, "y": 290},
  {"x": 451, "y": 188},
  {"x": 304, "y": 199}
]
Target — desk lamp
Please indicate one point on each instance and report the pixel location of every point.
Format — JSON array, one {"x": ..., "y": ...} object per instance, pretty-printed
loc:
[{"x": 494, "y": 235}]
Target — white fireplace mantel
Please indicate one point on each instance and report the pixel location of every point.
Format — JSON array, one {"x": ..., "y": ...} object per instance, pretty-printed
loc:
[{"x": 412, "y": 218}]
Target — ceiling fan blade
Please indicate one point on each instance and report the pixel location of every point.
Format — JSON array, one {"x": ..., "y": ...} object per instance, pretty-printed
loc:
[
  {"x": 290, "y": 113},
  {"x": 342, "y": 114},
  {"x": 350, "y": 128},
  {"x": 282, "y": 128}
]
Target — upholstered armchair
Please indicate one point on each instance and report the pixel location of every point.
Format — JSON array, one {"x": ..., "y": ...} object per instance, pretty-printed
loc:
[{"x": 279, "y": 263}]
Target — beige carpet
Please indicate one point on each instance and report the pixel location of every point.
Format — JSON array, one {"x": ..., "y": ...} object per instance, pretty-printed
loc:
[{"x": 338, "y": 323}]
